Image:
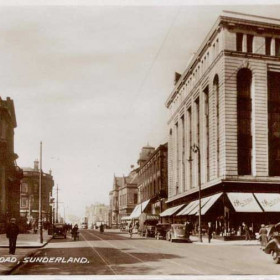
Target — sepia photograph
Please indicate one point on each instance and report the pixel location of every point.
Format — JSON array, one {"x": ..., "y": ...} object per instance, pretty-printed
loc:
[{"x": 139, "y": 139}]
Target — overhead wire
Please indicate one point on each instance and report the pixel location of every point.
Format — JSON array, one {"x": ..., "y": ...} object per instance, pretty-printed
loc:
[{"x": 158, "y": 52}]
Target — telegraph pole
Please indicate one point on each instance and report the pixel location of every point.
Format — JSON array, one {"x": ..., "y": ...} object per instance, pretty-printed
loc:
[
  {"x": 56, "y": 220},
  {"x": 40, "y": 197}
]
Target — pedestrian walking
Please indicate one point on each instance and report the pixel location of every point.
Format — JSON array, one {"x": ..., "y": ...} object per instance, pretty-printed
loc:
[
  {"x": 12, "y": 232},
  {"x": 101, "y": 228},
  {"x": 130, "y": 229},
  {"x": 246, "y": 231},
  {"x": 209, "y": 232},
  {"x": 263, "y": 236},
  {"x": 75, "y": 232},
  {"x": 188, "y": 230}
]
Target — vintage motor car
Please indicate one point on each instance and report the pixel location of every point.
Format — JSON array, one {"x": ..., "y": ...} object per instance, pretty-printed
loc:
[
  {"x": 176, "y": 232},
  {"x": 273, "y": 245},
  {"x": 161, "y": 230},
  {"x": 150, "y": 230},
  {"x": 59, "y": 230}
]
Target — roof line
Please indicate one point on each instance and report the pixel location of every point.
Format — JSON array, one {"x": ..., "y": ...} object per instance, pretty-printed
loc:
[{"x": 250, "y": 15}]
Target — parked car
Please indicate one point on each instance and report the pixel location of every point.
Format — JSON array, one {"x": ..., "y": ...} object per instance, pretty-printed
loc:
[
  {"x": 59, "y": 230},
  {"x": 161, "y": 230},
  {"x": 149, "y": 231},
  {"x": 176, "y": 232},
  {"x": 273, "y": 245}
]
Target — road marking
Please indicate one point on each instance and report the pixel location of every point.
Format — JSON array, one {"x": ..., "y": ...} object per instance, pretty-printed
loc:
[
  {"x": 106, "y": 262},
  {"x": 145, "y": 251}
]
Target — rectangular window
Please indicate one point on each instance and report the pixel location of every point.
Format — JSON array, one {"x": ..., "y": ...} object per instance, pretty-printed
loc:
[
  {"x": 135, "y": 198},
  {"x": 197, "y": 133},
  {"x": 239, "y": 42},
  {"x": 268, "y": 45},
  {"x": 249, "y": 43},
  {"x": 24, "y": 187},
  {"x": 183, "y": 152},
  {"x": 24, "y": 202},
  {"x": 244, "y": 121},
  {"x": 277, "y": 47},
  {"x": 190, "y": 145},
  {"x": 35, "y": 188},
  {"x": 177, "y": 154},
  {"x": 274, "y": 123},
  {"x": 206, "y": 113}
]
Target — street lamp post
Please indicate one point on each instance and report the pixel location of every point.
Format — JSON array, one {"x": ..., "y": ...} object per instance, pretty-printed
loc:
[{"x": 196, "y": 149}]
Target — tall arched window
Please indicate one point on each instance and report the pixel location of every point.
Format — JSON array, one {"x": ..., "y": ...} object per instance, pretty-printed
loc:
[
  {"x": 217, "y": 97},
  {"x": 244, "y": 119}
]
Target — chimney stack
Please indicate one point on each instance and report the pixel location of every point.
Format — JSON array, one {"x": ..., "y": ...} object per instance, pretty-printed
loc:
[{"x": 36, "y": 165}]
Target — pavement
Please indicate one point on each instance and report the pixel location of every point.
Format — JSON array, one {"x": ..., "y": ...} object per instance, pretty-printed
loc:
[
  {"x": 27, "y": 240},
  {"x": 27, "y": 245},
  {"x": 214, "y": 241}
]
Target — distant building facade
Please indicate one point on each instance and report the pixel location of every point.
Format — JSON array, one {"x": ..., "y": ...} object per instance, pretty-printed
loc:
[
  {"x": 97, "y": 213},
  {"x": 224, "y": 114},
  {"x": 123, "y": 197},
  {"x": 152, "y": 181},
  {"x": 10, "y": 173},
  {"x": 29, "y": 194},
  {"x": 128, "y": 194}
]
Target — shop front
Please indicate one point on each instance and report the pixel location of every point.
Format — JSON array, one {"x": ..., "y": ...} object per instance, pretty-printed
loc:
[{"x": 229, "y": 212}]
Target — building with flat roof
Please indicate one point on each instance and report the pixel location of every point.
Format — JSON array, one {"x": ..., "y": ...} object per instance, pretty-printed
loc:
[{"x": 224, "y": 126}]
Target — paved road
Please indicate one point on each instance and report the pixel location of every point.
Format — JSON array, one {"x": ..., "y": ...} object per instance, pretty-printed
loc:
[{"x": 114, "y": 253}]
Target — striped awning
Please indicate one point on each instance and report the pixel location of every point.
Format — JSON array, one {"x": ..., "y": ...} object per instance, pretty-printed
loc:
[
  {"x": 171, "y": 211},
  {"x": 139, "y": 209}
]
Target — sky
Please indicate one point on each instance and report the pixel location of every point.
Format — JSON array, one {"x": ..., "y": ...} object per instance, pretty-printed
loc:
[{"x": 90, "y": 82}]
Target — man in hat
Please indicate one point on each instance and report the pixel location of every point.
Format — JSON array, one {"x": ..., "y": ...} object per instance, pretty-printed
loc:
[{"x": 12, "y": 233}]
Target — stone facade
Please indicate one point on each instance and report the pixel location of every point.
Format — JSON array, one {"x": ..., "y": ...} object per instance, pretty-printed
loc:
[
  {"x": 29, "y": 194},
  {"x": 10, "y": 173},
  {"x": 227, "y": 103},
  {"x": 152, "y": 182},
  {"x": 123, "y": 197},
  {"x": 97, "y": 213}
]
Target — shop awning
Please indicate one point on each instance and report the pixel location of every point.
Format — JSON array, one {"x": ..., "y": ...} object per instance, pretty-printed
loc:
[
  {"x": 210, "y": 203},
  {"x": 139, "y": 209},
  {"x": 125, "y": 218},
  {"x": 195, "y": 210},
  {"x": 244, "y": 202},
  {"x": 188, "y": 208},
  {"x": 152, "y": 217},
  {"x": 171, "y": 211},
  {"x": 270, "y": 202}
]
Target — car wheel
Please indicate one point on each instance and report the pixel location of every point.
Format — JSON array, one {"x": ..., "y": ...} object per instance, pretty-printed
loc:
[{"x": 275, "y": 256}]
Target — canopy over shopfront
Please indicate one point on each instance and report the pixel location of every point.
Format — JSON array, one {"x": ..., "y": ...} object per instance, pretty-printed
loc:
[
  {"x": 193, "y": 207},
  {"x": 270, "y": 202},
  {"x": 244, "y": 202},
  {"x": 125, "y": 218},
  {"x": 170, "y": 211},
  {"x": 138, "y": 210}
]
